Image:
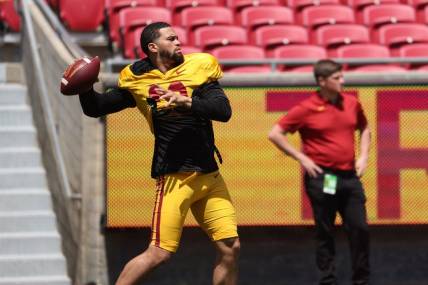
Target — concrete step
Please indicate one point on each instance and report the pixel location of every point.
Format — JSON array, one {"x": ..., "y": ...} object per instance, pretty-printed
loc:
[
  {"x": 15, "y": 157},
  {"x": 24, "y": 200},
  {"x": 22, "y": 178},
  {"x": 18, "y": 136},
  {"x": 27, "y": 221},
  {"x": 12, "y": 94},
  {"x": 15, "y": 115},
  {"x": 32, "y": 265},
  {"x": 30, "y": 243},
  {"x": 36, "y": 280}
]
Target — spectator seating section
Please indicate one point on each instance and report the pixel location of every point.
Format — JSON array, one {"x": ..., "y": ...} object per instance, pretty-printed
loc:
[
  {"x": 299, "y": 52},
  {"x": 299, "y": 5},
  {"x": 270, "y": 37},
  {"x": 242, "y": 52},
  {"x": 177, "y": 5},
  {"x": 281, "y": 28},
  {"x": 192, "y": 18},
  {"x": 315, "y": 16},
  {"x": 254, "y": 17},
  {"x": 9, "y": 16},
  {"x": 131, "y": 19},
  {"x": 237, "y": 5},
  {"x": 209, "y": 37},
  {"x": 82, "y": 15},
  {"x": 112, "y": 9},
  {"x": 333, "y": 36},
  {"x": 362, "y": 51},
  {"x": 395, "y": 36}
]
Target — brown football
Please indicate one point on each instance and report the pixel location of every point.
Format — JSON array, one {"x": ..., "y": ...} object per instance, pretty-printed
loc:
[{"x": 80, "y": 75}]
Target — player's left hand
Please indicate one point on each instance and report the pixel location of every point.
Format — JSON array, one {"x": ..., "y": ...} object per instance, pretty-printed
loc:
[
  {"x": 174, "y": 98},
  {"x": 361, "y": 166}
]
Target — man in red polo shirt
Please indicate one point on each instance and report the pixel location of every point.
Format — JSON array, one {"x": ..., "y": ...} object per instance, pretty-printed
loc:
[{"x": 326, "y": 122}]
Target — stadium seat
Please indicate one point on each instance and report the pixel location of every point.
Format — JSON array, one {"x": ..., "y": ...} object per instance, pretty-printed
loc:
[
  {"x": 113, "y": 7},
  {"x": 415, "y": 50},
  {"x": 254, "y": 17},
  {"x": 250, "y": 69},
  {"x": 209, "y": 37},
  {"x": 298, "y": 5},
  {"x": 333, "y": 36},
  {"x": 378, "y": 15},
  {"x": 299, "y": 52},
  {"x": 417, "y": 4},
  {"x": 397, "y": 35},
  {"x": 361, "y": 51},
  {"x": 132, "y": 18},
  {"x": 315, "y": 16},
  {"x": 177, "y": 5},
  {"x": 270, "y": 37},
  {"x": 359, "y": 5},
  {"x": 379, "y": 68},
  {"x": 241, "y": 52},
  {"x": 82, "y": 15},
  {"x": 9, "y": 15},
  {"x": 192, "y": 18},
  {"x": 238, "y": 5}
]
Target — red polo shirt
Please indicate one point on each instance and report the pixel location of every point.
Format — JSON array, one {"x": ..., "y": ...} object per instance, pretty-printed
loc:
[{"x": 327, "y": 130}]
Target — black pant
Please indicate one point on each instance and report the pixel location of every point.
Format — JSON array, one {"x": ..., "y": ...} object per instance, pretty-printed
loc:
[{"x": 349, "y": 201}]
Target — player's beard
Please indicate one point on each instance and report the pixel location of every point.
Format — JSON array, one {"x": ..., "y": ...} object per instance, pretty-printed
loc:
[{"x": 174, "y": 57}]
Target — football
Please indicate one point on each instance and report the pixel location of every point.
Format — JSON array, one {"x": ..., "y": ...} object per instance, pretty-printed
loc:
[{"x": 80, "y": 75}]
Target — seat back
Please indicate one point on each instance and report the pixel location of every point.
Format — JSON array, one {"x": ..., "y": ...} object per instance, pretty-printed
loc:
[
  {"x": 9, "y": 15},
  {"x": 192, "y": 18},
  {"x": 270, "y": 37},
  {"x": 82, "y": 15},
  {"x": 315, "y": 16},
  {"x": 209, "y": 37},
  {"x": 254, "y": 17}
]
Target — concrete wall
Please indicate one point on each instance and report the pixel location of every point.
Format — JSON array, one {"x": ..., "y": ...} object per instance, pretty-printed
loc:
[{"x": 279, "y": 256}]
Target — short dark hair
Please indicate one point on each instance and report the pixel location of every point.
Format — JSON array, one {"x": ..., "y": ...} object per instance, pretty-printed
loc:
[
  {"x": 151, "y": 33},
  {"x": 326, "y": 67}
]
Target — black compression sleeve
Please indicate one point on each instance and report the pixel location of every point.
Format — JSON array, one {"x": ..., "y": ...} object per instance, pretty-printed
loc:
[
  {"x": 95, "y": 104},
  {"x": 210, "y": 102}
]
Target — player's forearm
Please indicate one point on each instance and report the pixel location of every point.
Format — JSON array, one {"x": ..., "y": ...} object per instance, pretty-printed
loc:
[{"x": 96, "y": 105}]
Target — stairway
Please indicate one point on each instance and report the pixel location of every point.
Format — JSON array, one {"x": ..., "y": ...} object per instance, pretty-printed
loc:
[{"x": 30, "y": 245}]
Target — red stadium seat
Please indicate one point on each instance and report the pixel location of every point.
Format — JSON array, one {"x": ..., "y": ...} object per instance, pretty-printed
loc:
[
  {"x": 132, "y": 18},
  {"x": 9, "y": 15},
  {"x": 270, "y": 37},
  {"x": 316, "y": 16},
  {"x": 359, "y": 5},
  {"x": 333, "y": 36},
  {"x": 113, "y": 8},
  {"x": 238, "y": 52},
  {"x": 238, "y": 5},
  {"x": 82, "y": 15},
  {"x": 250, "y": 69},
  {"x": 379, "y": 15},
  {"x": 379, "y": 68},
  {"x": 177, "y": 5},
  {"x": 397, "y": 35},
  {"x": 415, "y": 50},
  {"x": 418, "y": 4},
  {"x": 298, "y": 5},
  {"x": 192, "y": 18},
  {"x": 361, "y": 51},
  {"x": 242, "y": 52},
  {"x": 299, "y": 52},
  {"x": 254, "y": 17},
  {"x": 209, "y": 37}
]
